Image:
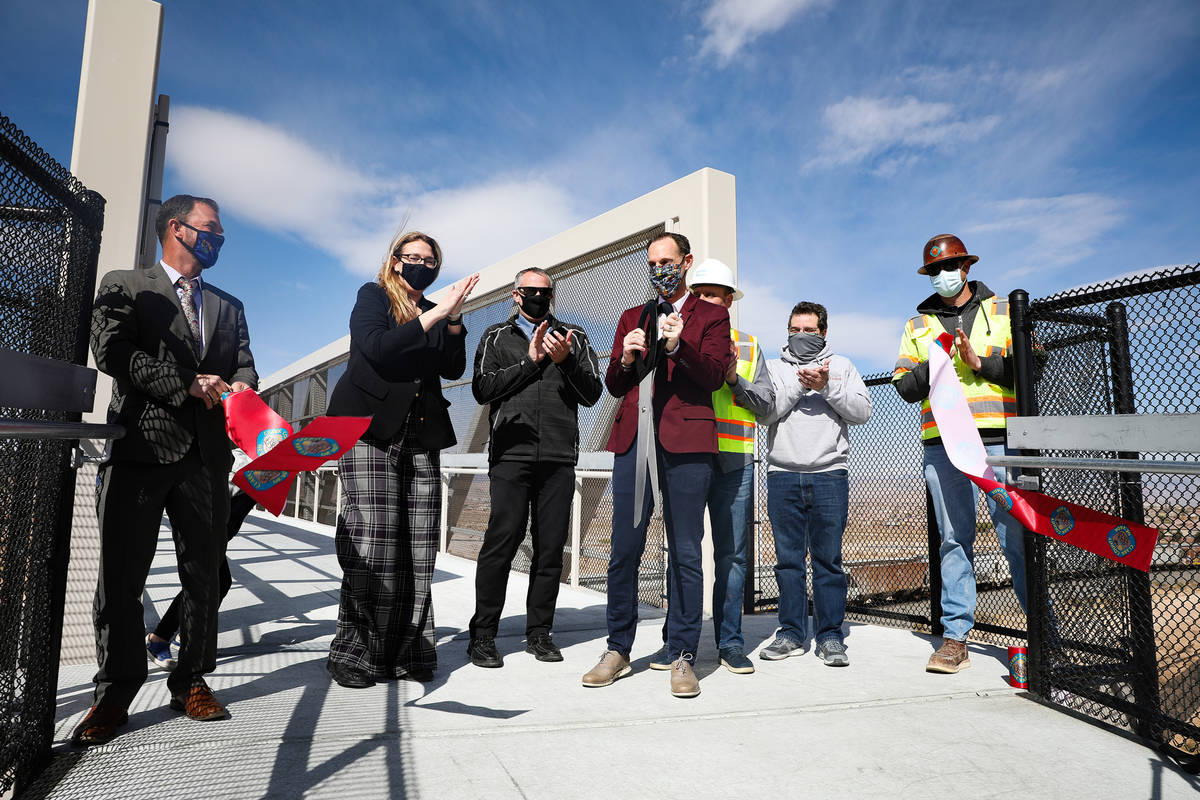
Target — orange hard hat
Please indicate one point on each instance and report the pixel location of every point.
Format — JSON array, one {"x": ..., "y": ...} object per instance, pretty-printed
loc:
[{"x": 944, "y": 247}]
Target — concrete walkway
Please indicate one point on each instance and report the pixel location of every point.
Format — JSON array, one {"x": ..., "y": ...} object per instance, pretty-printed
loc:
[{"x": 881, "y": 728}]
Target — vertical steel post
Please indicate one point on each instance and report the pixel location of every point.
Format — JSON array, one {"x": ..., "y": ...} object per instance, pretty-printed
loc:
[
  {"x": 1141, "y": 608},
  {"x": 1037, "y": 575},
  {"x": 752, "y": 528}
]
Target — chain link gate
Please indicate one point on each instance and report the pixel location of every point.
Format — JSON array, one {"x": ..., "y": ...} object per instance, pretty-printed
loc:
[
  {"x": 49, "y": 242},
  {"x": 891, "y": 536},
  {"x": 1106, "y": 640}
]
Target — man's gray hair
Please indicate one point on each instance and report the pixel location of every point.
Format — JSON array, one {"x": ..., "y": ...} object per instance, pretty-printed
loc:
[{"x": 537, "y": 270}]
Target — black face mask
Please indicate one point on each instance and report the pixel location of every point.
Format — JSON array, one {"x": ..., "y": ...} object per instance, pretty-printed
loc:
[
  {"x": 418, "y": 276},
  {"x": 535, "y": 306}
]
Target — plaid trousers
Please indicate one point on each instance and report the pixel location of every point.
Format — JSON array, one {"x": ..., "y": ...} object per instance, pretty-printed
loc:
[{"x": 386, "y": 542}]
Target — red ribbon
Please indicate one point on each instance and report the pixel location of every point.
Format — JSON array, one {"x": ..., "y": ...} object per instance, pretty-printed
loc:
[
  {"x": 1103, "y": 534},
  {"x": 278, "y": 454}
]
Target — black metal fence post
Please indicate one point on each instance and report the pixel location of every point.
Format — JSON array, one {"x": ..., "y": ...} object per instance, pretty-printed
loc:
[
  {"x": 1141, "y": 607},
  {"x": 1037, "y": 590}
]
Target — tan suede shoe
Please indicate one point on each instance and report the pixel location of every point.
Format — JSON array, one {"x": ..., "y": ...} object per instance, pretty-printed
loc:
[
  {"x": 612, "y": 665},
  {"x": 684, "y": 682},
  {"x": 951, "y": 657}
]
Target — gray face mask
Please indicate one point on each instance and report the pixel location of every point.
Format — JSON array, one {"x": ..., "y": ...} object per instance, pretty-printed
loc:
[{"x": 806, "y": 346}]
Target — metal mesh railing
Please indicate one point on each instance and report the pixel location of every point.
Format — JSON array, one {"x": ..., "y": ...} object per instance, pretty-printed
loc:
[
  {"x": 889, "y": 538},
  {"x": 49, "y": 240},
  {"x": 1118, "y": 644},
  {"x": 590, "y": 291}
]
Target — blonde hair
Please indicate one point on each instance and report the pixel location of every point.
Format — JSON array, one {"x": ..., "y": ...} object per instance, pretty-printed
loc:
[{"x": 403, "y": 307}]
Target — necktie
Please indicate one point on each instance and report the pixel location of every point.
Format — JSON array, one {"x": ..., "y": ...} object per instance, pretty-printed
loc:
[{"x": 188, "y": 301}]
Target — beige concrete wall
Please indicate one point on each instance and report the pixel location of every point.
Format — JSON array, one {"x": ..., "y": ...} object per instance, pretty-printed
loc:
[{"x": 110, "y": 154}]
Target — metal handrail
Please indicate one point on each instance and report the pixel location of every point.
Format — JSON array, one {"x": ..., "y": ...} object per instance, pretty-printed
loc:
[
  {"x": 1099, "y": 464},
  {"x": 37, "y": 429}
]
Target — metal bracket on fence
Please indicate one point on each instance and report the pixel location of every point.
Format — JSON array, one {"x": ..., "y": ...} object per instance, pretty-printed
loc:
[
  {"x": 1029, "y": 483},
  {"x": 91, "y": 451}
]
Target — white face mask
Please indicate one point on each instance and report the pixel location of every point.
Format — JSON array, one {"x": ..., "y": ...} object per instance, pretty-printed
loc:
[{"x": 947, "y": 284}]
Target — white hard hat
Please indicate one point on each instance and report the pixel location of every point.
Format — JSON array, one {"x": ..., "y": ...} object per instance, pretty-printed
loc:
[{"x": 713, "y": 272}]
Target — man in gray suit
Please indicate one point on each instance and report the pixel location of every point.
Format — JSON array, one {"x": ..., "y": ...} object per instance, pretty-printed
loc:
[{"x": 173, "y": 344}]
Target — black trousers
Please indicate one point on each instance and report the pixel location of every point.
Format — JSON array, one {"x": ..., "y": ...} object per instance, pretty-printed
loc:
[
  {"x": 517, "y": 489},
  {"x": 240, "y": 505},
  {"x": 132, "y": 499}
]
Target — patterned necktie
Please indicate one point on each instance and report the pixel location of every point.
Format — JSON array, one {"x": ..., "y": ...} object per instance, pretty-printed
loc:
[{"x": 188, "y": 301}]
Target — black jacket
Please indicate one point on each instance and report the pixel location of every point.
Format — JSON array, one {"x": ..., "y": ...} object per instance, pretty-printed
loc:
[
  {"x": 141, "y": 339},
  {"x": 392, "y": 367},
  {"x": 534, "y": 405}
]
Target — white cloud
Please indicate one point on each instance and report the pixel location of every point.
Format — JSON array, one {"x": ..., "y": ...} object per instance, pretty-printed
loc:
[
  {"x": 729, "y": 25},
  {"x": 279, "y": 182},
  {"x": 1052, "y": 231},
  {"x": 861, "y": 128}
]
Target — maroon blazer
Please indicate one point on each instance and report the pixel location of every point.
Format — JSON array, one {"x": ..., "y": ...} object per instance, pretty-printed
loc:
[{"x": 683, "y": 382}]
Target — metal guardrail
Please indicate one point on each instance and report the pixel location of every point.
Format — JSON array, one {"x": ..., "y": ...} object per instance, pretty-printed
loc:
[
  {"x": 1098, "y": 464},
  {"x": 591, "y": 466}
]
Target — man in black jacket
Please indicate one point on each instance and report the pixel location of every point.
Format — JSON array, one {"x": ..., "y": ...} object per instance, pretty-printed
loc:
[{"x": 535, "y": 371}]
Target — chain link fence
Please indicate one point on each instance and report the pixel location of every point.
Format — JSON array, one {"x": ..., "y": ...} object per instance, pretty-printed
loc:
[
  {"x": 891, "y": 539},
  {"x": 49, "y": 242},
  {"x": 1118, "y": 644}
]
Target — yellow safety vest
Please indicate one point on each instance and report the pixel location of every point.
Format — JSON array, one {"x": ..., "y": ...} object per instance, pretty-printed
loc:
[
  {"x": 735, "y": 425},
  {"x": 990, "y": 404}
]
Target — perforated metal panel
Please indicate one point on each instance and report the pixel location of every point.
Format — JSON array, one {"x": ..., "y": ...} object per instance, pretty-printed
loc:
[{"x": 49, "y": 241}]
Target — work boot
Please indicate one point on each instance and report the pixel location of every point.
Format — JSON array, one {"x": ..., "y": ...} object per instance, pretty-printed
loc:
[
  {"x": 612, "y": 665},
  {"x": 684, "y": 682},
  {"x": 951, "y": 657}
]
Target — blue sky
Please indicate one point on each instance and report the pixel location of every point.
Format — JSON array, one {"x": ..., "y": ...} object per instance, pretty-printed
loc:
[{"x": 1058, "y": 139}]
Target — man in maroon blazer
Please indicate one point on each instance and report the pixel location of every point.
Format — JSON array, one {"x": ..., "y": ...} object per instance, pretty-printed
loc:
[{"x": 674, "y": 348}]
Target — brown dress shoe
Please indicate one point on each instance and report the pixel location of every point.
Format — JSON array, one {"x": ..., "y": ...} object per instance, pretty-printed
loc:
[
  {"x": 99, "y": 726},
  {"x": 612, "y": 665},
  {"x": 684, "y": 682},
  {"x": 199, "y": 703},
  {"x": 951, "y": 657}
]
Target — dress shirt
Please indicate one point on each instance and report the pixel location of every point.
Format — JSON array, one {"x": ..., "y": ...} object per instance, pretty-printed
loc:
[{"x": 174, "y": 276}]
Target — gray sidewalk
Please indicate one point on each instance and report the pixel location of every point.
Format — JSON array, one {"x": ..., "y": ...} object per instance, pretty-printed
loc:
[{"x": 881, "y": 728}]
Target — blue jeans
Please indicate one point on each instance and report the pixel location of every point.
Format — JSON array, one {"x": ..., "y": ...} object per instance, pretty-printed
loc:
[
  {"x": 954, "y": 505},
  {"x": 684, "y": 480},
  {"x": 808, "y": 514},
  {"x": 729, "y": 500}
]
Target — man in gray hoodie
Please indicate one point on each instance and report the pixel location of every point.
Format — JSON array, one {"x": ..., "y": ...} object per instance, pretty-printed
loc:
[{"x": 817, "y": 395}]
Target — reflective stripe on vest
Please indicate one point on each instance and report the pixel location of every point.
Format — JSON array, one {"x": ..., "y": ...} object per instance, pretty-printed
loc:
[
  {"x": 991, "y": 405},
  {"x": 735, "y": 425}
]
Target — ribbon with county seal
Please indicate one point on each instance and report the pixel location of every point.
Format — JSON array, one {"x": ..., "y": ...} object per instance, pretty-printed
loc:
[
  {"x": 1110, "y": 537},
  {"x": 277, "y": 453}
]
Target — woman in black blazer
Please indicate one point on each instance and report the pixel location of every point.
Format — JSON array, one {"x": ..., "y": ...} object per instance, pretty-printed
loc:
[{"x": 401, "y": 346}]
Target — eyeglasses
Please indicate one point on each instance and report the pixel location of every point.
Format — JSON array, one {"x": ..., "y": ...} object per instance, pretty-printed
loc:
[
  {"x": 219, "y": 237},
  {"x": 535, "y": 291},
  {"x": 945, "y": 266},
  {"x": 794, "y": 331},
  {"x": 413, "y": 258}
]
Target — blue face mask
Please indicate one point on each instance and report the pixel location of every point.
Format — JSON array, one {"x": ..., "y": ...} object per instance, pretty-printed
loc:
[{"x": 207, "y": 246}]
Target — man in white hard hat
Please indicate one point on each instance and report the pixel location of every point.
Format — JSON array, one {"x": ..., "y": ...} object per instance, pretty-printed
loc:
[{"x": 745, "y": 393}]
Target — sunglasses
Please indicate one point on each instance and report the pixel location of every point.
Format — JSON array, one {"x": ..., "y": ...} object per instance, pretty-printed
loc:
[
  {"x": 534, "y": 291},
  {"x": 945, "y": 266}
]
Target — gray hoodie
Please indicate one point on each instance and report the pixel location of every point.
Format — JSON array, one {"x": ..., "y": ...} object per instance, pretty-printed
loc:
[{"x": 808, "y": 428}]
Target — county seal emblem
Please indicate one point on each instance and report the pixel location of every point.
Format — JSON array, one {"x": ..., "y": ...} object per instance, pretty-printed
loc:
[
  {"x": 1121, "y": 541},
  {"x": 1001, "y": 497},
  {"x": 1061, "y": 521},
  {"x": 315, "y": 446}
]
